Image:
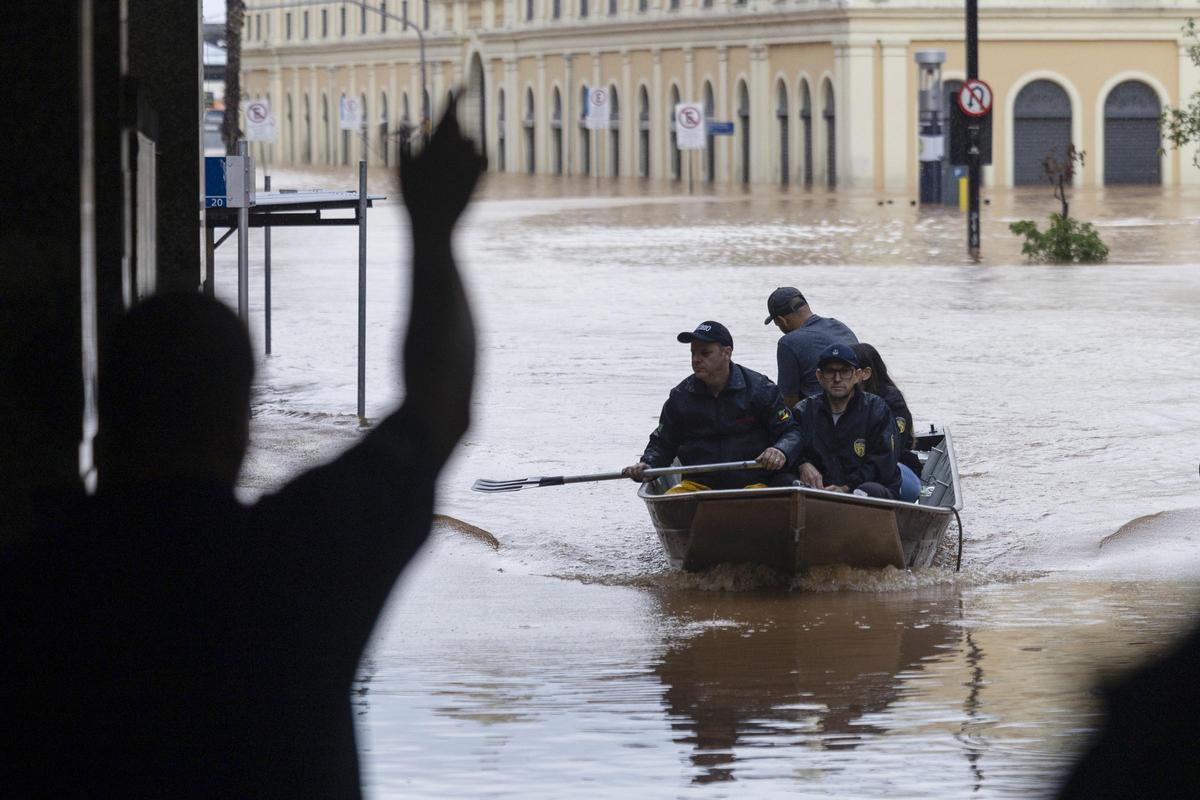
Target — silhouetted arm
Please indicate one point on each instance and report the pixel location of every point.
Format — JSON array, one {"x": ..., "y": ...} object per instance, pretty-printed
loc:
[{"x": 439, "y": 346}]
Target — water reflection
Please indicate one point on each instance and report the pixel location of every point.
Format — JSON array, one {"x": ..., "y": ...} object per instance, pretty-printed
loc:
[{"x": 780, "y": 670}]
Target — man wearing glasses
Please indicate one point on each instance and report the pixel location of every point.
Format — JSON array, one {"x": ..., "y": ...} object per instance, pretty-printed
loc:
[{"x": 848, "y": 434}]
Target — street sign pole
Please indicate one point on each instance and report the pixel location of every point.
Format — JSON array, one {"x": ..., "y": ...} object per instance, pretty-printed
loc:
[
  {"x": 244, "y": 235},
  {"x": 973, "y": 130},
  {"x": 267, "y": 270}
]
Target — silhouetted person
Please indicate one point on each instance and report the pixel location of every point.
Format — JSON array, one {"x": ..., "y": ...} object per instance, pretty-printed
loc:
[
  {"x": 165, "y": 640},
  {"x": 1147, "y": 747}
]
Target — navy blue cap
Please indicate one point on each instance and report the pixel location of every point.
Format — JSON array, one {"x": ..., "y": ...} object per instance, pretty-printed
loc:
[
  {"x": 838, "y": 352},
  {"x": 708, "y": 331},
  {"x": 783, "y": 301}
]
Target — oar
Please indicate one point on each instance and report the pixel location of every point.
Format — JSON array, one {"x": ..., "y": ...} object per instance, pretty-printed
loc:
[{"x": 517, "y": 484}]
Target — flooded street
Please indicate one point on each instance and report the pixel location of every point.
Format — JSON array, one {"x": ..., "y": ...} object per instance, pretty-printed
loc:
[{"x": 561, "y": 657}]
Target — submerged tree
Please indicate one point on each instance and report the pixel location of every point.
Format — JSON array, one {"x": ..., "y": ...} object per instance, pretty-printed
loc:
[{"x": 1066, "y": 240}]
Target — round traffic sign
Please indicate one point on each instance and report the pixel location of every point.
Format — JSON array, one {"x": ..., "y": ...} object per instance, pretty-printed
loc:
[
  {"x": 598, "y": 97},
  {"x": 257, "y": 112},
  {"x": 975, "y": 98},
  {"x": 689, "y": 117}
]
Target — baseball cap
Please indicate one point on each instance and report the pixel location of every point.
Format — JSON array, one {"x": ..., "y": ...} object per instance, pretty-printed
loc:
[
  {"x": 783, "y": 301},
  {"x": 708, "y": 331},
  {"x": 838, "y": 352}
]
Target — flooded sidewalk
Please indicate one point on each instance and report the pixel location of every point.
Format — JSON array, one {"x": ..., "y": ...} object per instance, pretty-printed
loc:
[{"x": 569, "y": 660}]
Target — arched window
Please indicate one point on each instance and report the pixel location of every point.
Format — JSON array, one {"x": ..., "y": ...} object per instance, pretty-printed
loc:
[
  {"x": 556, "y": 133},
  {"x": 782, "y": 132},
  {"x": 530, "y": 165},
  {"x": 1131, "y": 135},
  {"x": 676, "y": 159},
  {"x": 325, "y": 133},
  {"x": 585, "y": 135},
  {"x": 1041, "y": 125},
  {"x": 830, "y": 114},
  {"x": 345, "y": 135},
  {"x": 384, "y": 143},
  {"x": 306, "y": 155},
  {"x": 501, "y": 133},
  {"x": 614, "y": 132},
  {"x": 806, "y": 132},
  {"x": 744, "y": 130},
  {"x": 291, "y": 133},
  {"x": 476, "y": 105},
  {"x": 643, "y": 133}
]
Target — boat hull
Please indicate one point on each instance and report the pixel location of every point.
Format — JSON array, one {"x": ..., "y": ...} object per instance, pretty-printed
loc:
[{"x": 792, "y": 528}]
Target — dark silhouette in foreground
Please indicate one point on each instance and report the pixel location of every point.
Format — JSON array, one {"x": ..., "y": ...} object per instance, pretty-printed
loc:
[
  {"x": 164, "y": 639},
  {"x": 1147, "y": 747}
]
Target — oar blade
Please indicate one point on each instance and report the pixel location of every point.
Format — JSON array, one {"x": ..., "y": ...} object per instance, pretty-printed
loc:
[{"x": 491, "y": 486}]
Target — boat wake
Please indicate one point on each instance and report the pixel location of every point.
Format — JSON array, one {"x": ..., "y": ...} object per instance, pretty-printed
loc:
[{"x": 836, "y": 578}]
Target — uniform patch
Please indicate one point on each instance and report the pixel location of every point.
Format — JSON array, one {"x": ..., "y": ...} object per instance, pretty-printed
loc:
[
  {"x": 860, "y": 447},
  {"x": 784, "y": 415},
  {"x": 900, "y": 424}
]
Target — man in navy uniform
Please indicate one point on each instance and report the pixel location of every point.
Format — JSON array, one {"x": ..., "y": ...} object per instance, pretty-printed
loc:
[
  {"x": 805, "y": 335},
  {"x": 848, "y": 434},
  {"x": 722, "y": 412}
]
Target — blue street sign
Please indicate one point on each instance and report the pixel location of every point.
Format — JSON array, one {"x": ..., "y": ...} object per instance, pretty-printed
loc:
[
  {"x": 720, "y": 128},
  {"x": 214, "y": 182}
]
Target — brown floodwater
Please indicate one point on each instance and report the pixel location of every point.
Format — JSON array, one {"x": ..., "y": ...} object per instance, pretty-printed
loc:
[{"x": 557, "y": 654}]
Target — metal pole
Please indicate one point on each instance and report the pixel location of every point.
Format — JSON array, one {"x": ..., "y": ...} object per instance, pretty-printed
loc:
[
  {"x": 210, "y": 252},
  {"x": 973, "y": 166},
  {"x": 362, "y": 293},
  {"x": 244, "y": 236},
  {"x": 267, "y": 268},
  {"x": 690, "y": 171}
]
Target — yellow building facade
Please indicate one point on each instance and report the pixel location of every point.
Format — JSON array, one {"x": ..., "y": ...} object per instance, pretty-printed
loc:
[{"x": 819, "y": 92}]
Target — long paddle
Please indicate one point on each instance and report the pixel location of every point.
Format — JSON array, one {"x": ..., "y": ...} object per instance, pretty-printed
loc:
[{"x": 517, "y": 484}]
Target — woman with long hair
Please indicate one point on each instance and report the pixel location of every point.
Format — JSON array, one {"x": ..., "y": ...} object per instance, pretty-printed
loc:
[{"x": 875, "y": 379}]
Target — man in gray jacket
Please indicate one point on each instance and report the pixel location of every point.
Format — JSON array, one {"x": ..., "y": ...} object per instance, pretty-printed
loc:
[{"x": 805, "y": 337}]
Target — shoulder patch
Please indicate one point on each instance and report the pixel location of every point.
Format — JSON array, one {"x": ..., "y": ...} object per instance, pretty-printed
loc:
[
  {"x": 784, "y": 415},
  {"x": 860, "y": 447},
  {"x": 900, "y": 424}
]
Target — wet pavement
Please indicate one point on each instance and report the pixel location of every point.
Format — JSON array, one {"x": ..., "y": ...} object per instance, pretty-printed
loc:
[{"x": 569, "y": 660}]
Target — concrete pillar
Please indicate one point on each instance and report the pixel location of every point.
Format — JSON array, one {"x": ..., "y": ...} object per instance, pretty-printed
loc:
[
  {"x": 597, "y": 137},
  {"x": 898, "y": 117},
  {"x": 721, "y": 101},
  {"x": 660, "y": 162},
  {"x": 569, "y": 128},
  {"x": 514, "y": 114},
  {"x": 689, "y": 159},
  {"x": 855, "y": 105},
  {"x": 1189, "y": 84},
  {"x": 541, "y": 119},
  {"x": 629, "y": 120},
  {"x": 762, "y": 115}
]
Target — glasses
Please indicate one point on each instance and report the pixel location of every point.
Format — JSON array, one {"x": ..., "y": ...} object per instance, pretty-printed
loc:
[{"x": 838, "y": 372}]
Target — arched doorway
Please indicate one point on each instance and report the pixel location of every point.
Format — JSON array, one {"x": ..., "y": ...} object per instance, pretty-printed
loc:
[
  {"x": 806, "y": 133},
  {"x": 782, "y": 132},
  {"x": 643, "y": 133},
  {"x": 475, "y": 107},
  {"x": 614, "y": 132},
  {"x": 676, "y": 158},
  {"x": 530, "y": 166},
  {"x": 830, "y": 113},
  {"x": 710, "y": 150},
  {"x": 1041, "y": 125},
  {"x": 556, "y": 133},
  {"x": 743, "y": 112},
  {"x": 1131, "y": 135}
]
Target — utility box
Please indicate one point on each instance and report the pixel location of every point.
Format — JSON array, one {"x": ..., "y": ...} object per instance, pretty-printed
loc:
[{"x": 228, "y": 181}]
